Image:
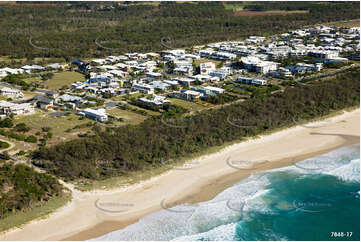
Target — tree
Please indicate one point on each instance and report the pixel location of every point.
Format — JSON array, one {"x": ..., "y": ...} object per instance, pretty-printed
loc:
[
  {"x": 6, "y": 123},
  {"x": 22, "y": 127},
  {"x": 31, "y": 139}
]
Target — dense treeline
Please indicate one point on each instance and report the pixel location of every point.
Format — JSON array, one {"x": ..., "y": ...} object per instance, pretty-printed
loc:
[
  {"x": 22, "y": 188},
  {"x": 145, "y": 145},
  {"x": 82, "y": 29}
]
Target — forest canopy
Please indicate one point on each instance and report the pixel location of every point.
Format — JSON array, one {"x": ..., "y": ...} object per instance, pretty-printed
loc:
[{"x": 92, "y": 29}]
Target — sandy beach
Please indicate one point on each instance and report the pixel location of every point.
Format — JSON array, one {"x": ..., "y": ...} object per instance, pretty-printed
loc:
[{"x": 92, "y": 214}]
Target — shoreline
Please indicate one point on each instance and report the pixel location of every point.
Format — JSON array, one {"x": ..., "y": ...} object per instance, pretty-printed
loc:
[{"x": 82, "y": 219}]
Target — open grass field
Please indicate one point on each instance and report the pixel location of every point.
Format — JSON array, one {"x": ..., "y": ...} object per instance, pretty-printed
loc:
[
  {"x": 233, "y": 6},
  {"x": 150, "y": 112},
  {"x": 191, "y": 106},
  {"x": 58, "y": 125},
  {"x": 348, "y": 24},
  {"x": 118, "y": 98},
  {"x": 129, "y": 117},
  {"x": 63, "y": 78},
  {"x": 264, "y": 13},
  {"x": 33, "y": 80}
]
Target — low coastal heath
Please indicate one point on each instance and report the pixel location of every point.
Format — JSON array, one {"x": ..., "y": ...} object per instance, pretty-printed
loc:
[{"x": 320, "y": 195}]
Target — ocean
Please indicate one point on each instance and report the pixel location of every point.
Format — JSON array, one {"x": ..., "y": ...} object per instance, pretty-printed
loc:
[{"x": 314, "y": 199}]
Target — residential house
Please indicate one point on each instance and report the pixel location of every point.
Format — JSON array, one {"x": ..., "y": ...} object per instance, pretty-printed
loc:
[
  {"x": 33, "y": 68},
  {"x": 184, "y": 71},
  {"x": 214, "y": 90},
  {"x": 254, "y": 64},
  {"x": 6, "y": 71},
  {"x": 172, "y": 83},
  {"x": 251, "y": 81},
  {"x": 143, "y": 88},
  {"x": 99, "y": 61},
  {"x": 96, "y": 114},
  {"x": 176, "y": 52},
  {"x": 11, "y": 92},
  {"x": 56, "y": 67},
  {"x": 184, "y": 81},
  {"x": 188, "y": 95},
  {"x": 52, "y": 94},
  {"x": 221, "y": 73},
  {"x": 202, "y": 78},
  {"x": 7, "y": 108},
  {"x": 43, "y": 102},
  {"x": 160, "y": 85},
  {"x": 155, "y": 101},
  {"x": 223, "y": 56},
  {"x": 207, "y": 68},
  {"x": 68, "y": 98}
]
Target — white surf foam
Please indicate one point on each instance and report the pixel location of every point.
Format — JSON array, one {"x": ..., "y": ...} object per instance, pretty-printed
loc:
[{"x": 215, "y": 219}]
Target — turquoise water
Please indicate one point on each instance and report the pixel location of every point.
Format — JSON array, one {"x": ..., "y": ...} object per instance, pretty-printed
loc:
[{"x": 306, "y": 201}]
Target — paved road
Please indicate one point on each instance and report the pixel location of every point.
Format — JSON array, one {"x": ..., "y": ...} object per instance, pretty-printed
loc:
[{"x": 331, "y": 73}]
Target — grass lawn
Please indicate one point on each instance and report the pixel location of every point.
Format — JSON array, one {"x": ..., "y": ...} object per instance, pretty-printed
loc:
[
  {"x": 58, "y": 125},
  {"x": 347, "y": 23},
  {"x": 191, "y": 106},
  {"x": 264, "y": 13},
  {"x": 233, "y": 6},
  {"x": 63, "y": 78},
  {"x": 118, "y": 98},
  {"x": 129, "y": 117},
  {"x": 129, "y": 96},
  {"x": 33, "y": 79},
  {"x": 150, "y": 112}
]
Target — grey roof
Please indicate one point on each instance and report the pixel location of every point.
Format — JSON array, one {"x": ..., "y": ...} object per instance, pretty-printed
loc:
[
  {"x": 69, "y": 98},
  {"x": 41, "y": 98}
]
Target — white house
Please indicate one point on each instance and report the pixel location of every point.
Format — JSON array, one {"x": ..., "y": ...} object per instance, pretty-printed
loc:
[
  {"x": 5, "y": 71},
  {"x": 143, "y": 88},
  {"x": 156, "y": 101},
  {"x": 207, "y": 68},
  {"x": 189, "y": 95},
  {"x": 252, "y": 81},
  {"x": 99, "y": 61},
  {"x": 185, "y": 71},
  {"x": 10, "y": 92},
  {"x": 175, "y": 52},
  {"x": 255, "y": 64},
  {"x": 96, "y": 114},
  {"x": 221, "y": 73},
  {"x": 214, "y": 90},
  {"x": 8, "y": 108}
]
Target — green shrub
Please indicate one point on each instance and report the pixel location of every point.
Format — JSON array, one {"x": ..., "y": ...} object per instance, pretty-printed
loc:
[{"x": 31, "y": 139}]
